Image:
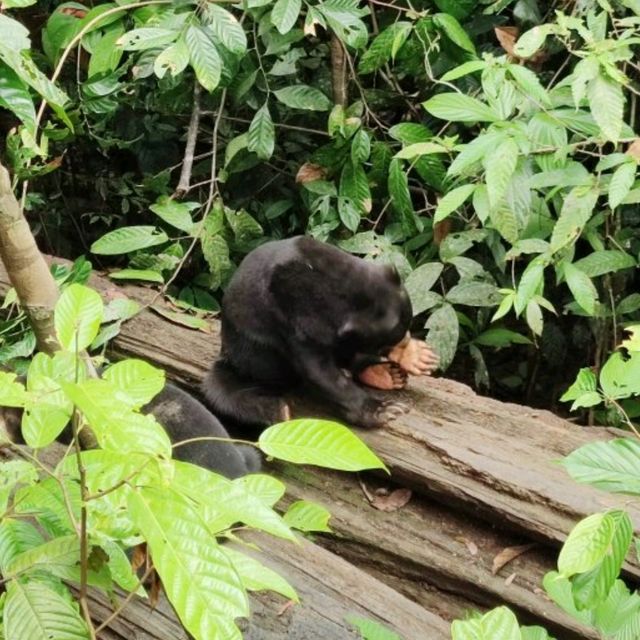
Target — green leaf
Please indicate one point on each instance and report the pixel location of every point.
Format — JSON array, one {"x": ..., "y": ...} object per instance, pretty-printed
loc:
[
  {"x": 256, "y": 577},
  {"x": 410, "y": 132},
  {"x": 285, "y": 14},
  {"x": 355, "y": 186},
  {"x": 77, "y": 318},
  {"x": 16, "y": 536},
  {"x": 116, "y": 427},
  {"x": 12, "y": 393},
  {"x": 146, "y": 38},
  {"x": 15, "y": 96},
  {"x": 349, "y": 213},
  {"x": 381, "y": 48},
  {"x": 453, "y": 200},
  {"x": 226, "y": 27},
  {"x": 611, "y": 466},
  {"x": 401, "y": 198},
  {"x": 174, "y": 59},
  {"x": 587, "y": 544},
  {"x": 267, "y": 489},
  {"x": 606, "y": 261},
  {"x": 444, "y": 333},
  {"x": 185, "y": 553},
  {"x": 533, "y": 316},
  {"x": 262, "y": 133},
  {"x": 529, "y": 84},
  {"x": 307, "y": 516},
  {"x": 177, "y": 214},
  {"x": 498, "y": 624},
  {"x": 137, "y": 274},
  {"x": 576, "y": 211},
  {"x": 419, "y": 149},
  {"x": 475, "y": 294},
  {"x": 13, "y": 473},
  {"x": 127, "y": 239},
  {"x": 58, "y": 556},
  {"x": 33, "y": 611},
  {"x": 583, "y": 290},
  {"x": 419, "y": 282},
  {"x": 530, "y": 41},
  {"x": 224, "y": 503},
  {"x": 459, "y": 9},
  {"x": 620, "y": 377},
  {"x": 136, "y": 380},
  {"x": 17, "y": 4},
  {"x": 371, "y": 630},
  {"x": 360, "y": 147},
  {"x": 204, "y": 56},
  {"x": 319, "y": 442},
  {"x": 302, "y": 96},
  {"x": 497, "y": 337},
  {"x": 458, "y": 107},
  {"x": 529, "y": 285},
  {"x": 606, "y": 101},
  {"x": 452, "y": 29},
  {"x": 621, "y": 182},
  {"x": 592, "y": 588},
  {"x": 500, "y": 165},
  {"x": 465, "y": 69}
]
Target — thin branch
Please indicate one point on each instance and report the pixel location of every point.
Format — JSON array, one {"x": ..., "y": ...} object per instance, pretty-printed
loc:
[{"x": 190, "y": 147}]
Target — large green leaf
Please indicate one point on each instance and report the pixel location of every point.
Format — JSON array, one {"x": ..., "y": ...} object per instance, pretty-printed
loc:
[
  {"x": 576, "y": 211},
  {"x": 419, "y": 283},
  {"x": 33, "y": 611},
  {"x": 593, "y": 587},
  {"x": 307, "y": 516},
  {"x": 285, "y": 14},
  {"x": 256, "y": 577},
  {"x": 12, "y": 393},
  {"x": 401, "y": 197},
  {"x": 454, "y": 31},
  {"x": 262, "y": 133},
  {"x": 499, "y": 166},
  {"x": 355, "y": 186},
  {"x": 17, "y": 535},
  {"x": 128, "y": 239},
  {"x": 444, "y": 333},
  {"x": 185, "y": 554},
  {"x": 498, "y": 624},
  {"x": 174, "y": 58},
  {"x": 204, "y": 56},
  {"x": 605, "y": 261},
  {"x": 224, "y": 503},
  {"x": 474, "y": 294},
  {"x": 136, "y": 380},
  {"x": 620, "y": 377},
  {"x": 225, "y": 26},
  {"x": 319, "y": 442},
  {"x": 58, "y": 556},
  {"x": 381, "y": 48},
  {"x": 583, "y": 290},
  {"x": 115, "y": 425},
  {"x": 77, "y": 317},
  {"x": 458, "y": 107},
  {"x": 530, "y": 41},
  {"x": 587, "y": 544},
  {"x": 606, "y": 100},
  {"x": 177, "y": 214},
  {"x": 302, "y": 96},
  {"x": 452, "y": 200},
  {"x": 15, "y": 96},
  {"x": 147, "y": 38},
  {"x": 530, "y": 284},
  {"x": 621, "y": 182}
]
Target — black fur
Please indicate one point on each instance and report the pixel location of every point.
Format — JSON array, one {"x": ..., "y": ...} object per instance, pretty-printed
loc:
[
  {"x": 299, "y": 310},
  {"x": 184, "y": 417}
]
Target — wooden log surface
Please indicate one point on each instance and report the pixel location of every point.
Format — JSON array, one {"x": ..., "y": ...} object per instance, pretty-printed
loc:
[{"x": 489, "y": 462}]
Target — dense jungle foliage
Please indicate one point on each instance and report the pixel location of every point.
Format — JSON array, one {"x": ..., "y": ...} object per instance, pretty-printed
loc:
[{"x": 485, "y": 148}]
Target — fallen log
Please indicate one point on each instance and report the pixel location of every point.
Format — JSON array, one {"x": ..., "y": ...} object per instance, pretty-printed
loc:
[{"x": 489, "y": 460}]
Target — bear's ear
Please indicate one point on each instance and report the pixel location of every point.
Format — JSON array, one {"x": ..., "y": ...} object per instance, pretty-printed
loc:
[{"x": 392, "y": 274}]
